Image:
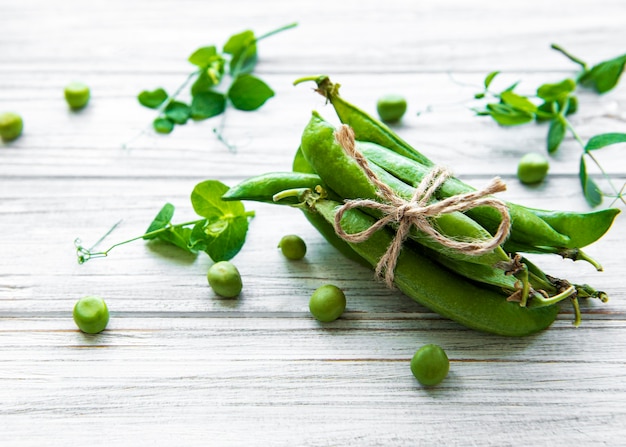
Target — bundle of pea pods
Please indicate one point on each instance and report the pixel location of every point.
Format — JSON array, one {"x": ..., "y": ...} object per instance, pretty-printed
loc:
[{"x": 499, "y": 291}]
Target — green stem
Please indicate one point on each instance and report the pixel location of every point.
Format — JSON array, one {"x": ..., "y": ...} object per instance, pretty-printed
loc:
[
  {"x": 542, "y": 302},
  {"x": 618, "y": 195},
  {"x": 577, "y": 254},
  {"x": 162, "y": 107},
  {"x": 569, "y": 56},
  {"x": 276, "y": 31},
  {"x": 523, "y": 277},
  {"x": 85, "y": 254}
]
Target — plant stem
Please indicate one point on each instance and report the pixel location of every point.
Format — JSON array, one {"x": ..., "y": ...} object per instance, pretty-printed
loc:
[
  {"x": 569, "y": 56},
  {"x": 618, "y": 194},
  {"x": 276, "y": 31},
  {"x": 84, "y": 254},
  {"x": 162, "y": 108}
]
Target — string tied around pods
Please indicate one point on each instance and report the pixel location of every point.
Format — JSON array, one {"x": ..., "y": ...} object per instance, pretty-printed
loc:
[{"x": 418, "y": 212}]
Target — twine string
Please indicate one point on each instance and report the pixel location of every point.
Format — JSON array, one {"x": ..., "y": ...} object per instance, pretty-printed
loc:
[{"x": 418, "y": 211}]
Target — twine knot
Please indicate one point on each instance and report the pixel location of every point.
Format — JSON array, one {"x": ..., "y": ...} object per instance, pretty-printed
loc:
[{"x": 418, "y": 211}]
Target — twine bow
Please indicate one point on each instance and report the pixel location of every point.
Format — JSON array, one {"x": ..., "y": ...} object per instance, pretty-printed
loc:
[{"x": 418, "y": 211}]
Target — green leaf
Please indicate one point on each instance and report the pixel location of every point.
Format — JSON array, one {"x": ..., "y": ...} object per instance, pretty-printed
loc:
[
  {"x": 203, "y": 83},
  {"x": 556, "y": 133},
  {"x": 163, "y": 125},
  {"x": 224, "y": 232},
  {"x": 506, "y": 115},
  {"x": 204, "y": 56},
  {"x": 178, "y": 236},
  {"x": 605, "y": 75},
  {"x": 554, "y": 92},
  {"x": 243, "y": 49},
  {"x": 490, "y": 78},
  {"x": 592, "y": 193},
  {"x": 605, "y": 139},
  {"x": 206, "y": 199},
  {"x": 221, "y": 239},
  {"x": 162, "y": 220},
  {"x": 248, "y": 92},
  {"x": 152, "y": 99},
  {"x": 207, "y": 104},
  {"x": 518, "y": 102},
  {"x": 178, "y": 112}
]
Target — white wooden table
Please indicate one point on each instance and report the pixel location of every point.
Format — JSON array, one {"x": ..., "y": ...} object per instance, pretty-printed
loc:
[{"x": 178, "y": 366}]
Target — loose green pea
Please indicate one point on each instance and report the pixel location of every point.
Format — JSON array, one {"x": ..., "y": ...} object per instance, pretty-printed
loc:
[
  {"x": 532, "y": 168},
  {"x": 77, "y": 95},
  {"x": 430, "y": 365},
  {"x": 327, "y": 303},
  {"x": 224, "y": 279},
  {"x": 11, "y": 125},
  {"x": 391, "y": 108},
  {"x": 91, "y": 314},
  {"x": 292, "y": 246}
]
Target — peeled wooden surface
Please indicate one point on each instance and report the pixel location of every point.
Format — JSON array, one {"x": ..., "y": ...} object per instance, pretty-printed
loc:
[{"x": 179, "y": 366}]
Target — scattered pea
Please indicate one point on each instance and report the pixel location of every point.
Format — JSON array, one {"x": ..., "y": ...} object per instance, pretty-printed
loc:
[
  {"x": 292, "y": 246},
  {"x": 11, "y": 125},
  {"x": 327, "y": 303},
  {"x": 224, "y": 279},
  {"x": 391, "y": 108},
  {"x": 77, "y": 95},
  {"x": 91, "y": 314},
  {"x": 532, "y": 168},
  {"x": 430, "y": 365}
]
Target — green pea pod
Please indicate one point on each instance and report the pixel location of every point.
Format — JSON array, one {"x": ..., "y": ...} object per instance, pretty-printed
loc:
[
  {"x": 262, "y": 188},
  {"x": 440, "y": 290},
  {"x": 526, "y": 226},
  {"x": 345, "y": 177},
  {"x": 365, "y": 127},
  {"x": 582, "y": 228}
]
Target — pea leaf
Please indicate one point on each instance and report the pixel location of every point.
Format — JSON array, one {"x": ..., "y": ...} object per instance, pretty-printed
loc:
[
  {"x": 178, "y": 236},
  {"x": 163, "y": 125},
  {"x": 556, "y": 133},
  {"x": 248, "y": 92},
  {"x": 207, "y": 104},
  {"x": 605, "y": 75},
  {"x": 221, "y": 239},
  {"x": 162, "y": 220},
  {"x": 178, "y": 112},
  {"x": 203, "y": 57},
  {"x": 605, "y": 139},
  {"x": 203, "y": 83},
  {"x": 224, "y": 232},
  {"x": 518, "y": 102},
  {"x": 152, "y": 99},
  {"x": 206, "y": 199},
  {"x": 506, "y": 115},
  {"x": 243, "y": 49},
  {"x": 554, "y": 92},
  {"x": 592, "y": 193},
  {"x": 489, "y": 78}
]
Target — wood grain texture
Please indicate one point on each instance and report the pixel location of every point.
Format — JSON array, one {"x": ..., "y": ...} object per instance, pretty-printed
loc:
[{"x": 179, "y": 366}]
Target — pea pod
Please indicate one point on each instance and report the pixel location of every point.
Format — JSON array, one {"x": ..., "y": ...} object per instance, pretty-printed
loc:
[
  {"x": 263, "y": 187},
  {"x": 365, "y": 126},
  {"x": 443, "y": 292},
  {"x": 343, "y": 175},
  {"x": 527, "y": 227}
]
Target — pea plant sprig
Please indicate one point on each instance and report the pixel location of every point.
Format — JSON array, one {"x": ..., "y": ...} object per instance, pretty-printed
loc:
[
  {"x": 220, "y": 232},
  {"x": 554, "y": 103},
  {"x": 233, "y": 65}
]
